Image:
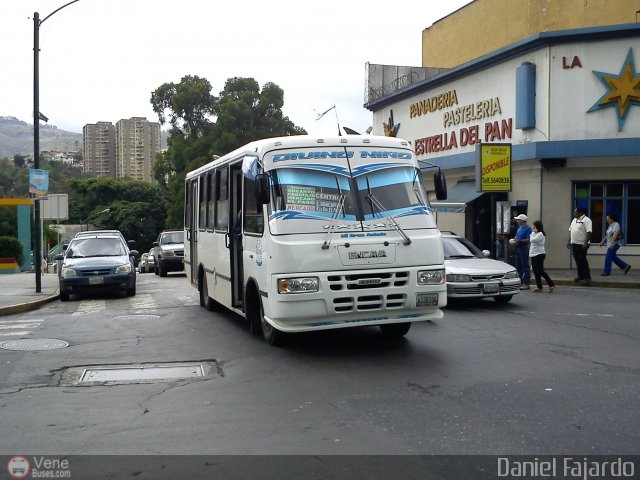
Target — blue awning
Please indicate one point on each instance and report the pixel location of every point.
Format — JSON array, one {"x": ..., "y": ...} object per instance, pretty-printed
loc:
[{"x": 458, "y": 197}]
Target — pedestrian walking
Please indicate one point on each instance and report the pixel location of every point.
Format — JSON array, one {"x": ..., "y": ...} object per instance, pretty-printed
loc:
[
  {"x": 580, "y": 231},
  {"x": 612, "y": 239},
  {"x": 521, "y": 244},
  {"x": 537, "y": 254}
]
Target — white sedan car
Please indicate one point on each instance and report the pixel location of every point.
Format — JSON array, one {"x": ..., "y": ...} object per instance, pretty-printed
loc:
[{"x": 470, "y": 274}]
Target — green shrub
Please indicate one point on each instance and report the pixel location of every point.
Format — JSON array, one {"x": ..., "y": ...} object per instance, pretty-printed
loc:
[{"x": 11, "y": 247}]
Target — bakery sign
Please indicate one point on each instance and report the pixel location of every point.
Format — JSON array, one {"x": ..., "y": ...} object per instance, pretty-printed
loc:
[{"x": 455, "y": 119}]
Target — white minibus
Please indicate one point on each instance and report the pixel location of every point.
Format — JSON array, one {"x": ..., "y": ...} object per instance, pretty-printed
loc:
[{"x": 303, "y": 233}]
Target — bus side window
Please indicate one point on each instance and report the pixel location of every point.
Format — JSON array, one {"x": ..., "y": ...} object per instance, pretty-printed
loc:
[
  {"x": 222, "y": 200},
  {"x": 210, "y": 201},
  {"x": 202, "y": 214},
  {"x": 253, "y": 217}
]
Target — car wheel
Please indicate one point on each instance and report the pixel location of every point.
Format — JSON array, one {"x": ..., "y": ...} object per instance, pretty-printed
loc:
[
  {"x": 162, "y": 271},
  {"x": 156, "y": 270},
  {"x": 131, "y": 292},
  {"x": 64, "y": 296},
  {"x": 395, "y": 330},
  {"x": 503, "y": 298},
  {"x": 143, "y": 270}
]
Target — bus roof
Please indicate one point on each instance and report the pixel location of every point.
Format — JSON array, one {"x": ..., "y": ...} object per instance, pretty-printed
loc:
[{"x": 302, "y": 141}]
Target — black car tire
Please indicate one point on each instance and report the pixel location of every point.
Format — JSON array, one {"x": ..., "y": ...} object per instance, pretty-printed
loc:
[
  {"x": 395, "y": 330},
  {"x": 162, "y": 271},
  {"x": 64, "y": 296},
  {"x": 131, "y": 292},
  {"x": 503, "y": 299}
]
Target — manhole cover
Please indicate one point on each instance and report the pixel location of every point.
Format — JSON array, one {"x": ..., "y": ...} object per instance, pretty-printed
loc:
[
  {"x": 137, "y": 317},
  {"x": 141, "y": 373},
  {"x": 127, "y": 374},
  {"x": 34, "y": 344}
]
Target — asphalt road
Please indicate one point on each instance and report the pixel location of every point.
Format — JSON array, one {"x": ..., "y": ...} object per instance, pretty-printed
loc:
[{"x": 546, "y": 374}]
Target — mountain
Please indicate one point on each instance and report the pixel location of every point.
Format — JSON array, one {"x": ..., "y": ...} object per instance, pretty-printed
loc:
[{"x": 16, "y": 138}]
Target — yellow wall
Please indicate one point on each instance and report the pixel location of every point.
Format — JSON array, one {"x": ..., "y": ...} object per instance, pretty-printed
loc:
[{"x": 486, "y": 25}]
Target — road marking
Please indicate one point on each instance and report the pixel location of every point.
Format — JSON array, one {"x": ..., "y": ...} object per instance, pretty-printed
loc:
[
  {"x": 142, "y": 301},
  {"x": 19, "y": 325},
  {"x": 86, "y": 307},
  {"x": 10, "y": 334}
]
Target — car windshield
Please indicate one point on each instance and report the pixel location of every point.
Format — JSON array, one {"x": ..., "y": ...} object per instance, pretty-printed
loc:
[
  {"x": 457, "y": 247},
  {"x": 172, "y": 237},
  {"x": 96, "y": 247}
]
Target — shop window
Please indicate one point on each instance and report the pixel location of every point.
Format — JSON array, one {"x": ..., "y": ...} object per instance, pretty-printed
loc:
[{"x": 621, "y": 199}]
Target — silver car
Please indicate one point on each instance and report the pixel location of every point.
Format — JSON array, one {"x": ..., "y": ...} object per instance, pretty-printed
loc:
[{"x": 470, "y": 274}]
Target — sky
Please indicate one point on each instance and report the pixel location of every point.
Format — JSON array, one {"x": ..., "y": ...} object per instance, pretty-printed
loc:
[{"x": 101, "y": 59}]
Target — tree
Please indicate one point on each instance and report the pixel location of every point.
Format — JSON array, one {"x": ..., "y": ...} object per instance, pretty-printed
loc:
[
  {"x": 189, "y": 104},
  {"x": 244, "y": 113}
]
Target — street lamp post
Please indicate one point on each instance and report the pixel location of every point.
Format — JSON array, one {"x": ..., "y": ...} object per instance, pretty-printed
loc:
[
  {"x": 86, "y": 220},
  {"x": 36, "y": 135}
]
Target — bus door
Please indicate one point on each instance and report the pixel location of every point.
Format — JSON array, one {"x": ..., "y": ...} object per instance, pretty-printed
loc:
[
  {"x": 192, "y": 229},
  {"x": 235, "y": 244}
]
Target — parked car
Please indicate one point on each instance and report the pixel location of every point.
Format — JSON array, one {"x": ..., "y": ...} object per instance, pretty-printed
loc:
[
  {"x": 470, "y": 274},
  {"x": 146, "y": 264},
  {"x": 98, "y": 262},
  {"x": 168, "y": 252}
]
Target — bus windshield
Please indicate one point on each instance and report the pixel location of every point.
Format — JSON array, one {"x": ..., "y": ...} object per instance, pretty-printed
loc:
[{"x": 310, "y": 194}]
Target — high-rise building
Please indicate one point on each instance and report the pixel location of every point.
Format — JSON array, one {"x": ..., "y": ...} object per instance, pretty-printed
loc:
[
  {"x": 99, "y": 149},
  {"x": 137, "y": 144}
]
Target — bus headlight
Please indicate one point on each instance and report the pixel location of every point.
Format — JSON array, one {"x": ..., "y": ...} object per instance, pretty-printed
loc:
[
  {"x": 298, "y": 285},
  {"x": 431, "y": 277}
]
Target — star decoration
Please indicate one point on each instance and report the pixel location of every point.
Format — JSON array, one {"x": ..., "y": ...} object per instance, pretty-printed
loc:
[
  {"x": 623, "y": 90},
  {"x": 391, "y": 129}
]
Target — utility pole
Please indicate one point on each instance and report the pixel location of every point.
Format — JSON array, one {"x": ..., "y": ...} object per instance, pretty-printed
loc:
[{"x": 36, "y": 136}]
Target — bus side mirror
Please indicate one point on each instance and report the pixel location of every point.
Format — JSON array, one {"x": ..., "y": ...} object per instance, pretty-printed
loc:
[
  {"x": 262, "y": 189},
  {"x": 440, "y": 184}
]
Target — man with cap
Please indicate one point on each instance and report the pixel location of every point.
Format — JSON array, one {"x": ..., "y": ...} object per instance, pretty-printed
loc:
[{"x": 521, "y": 244}]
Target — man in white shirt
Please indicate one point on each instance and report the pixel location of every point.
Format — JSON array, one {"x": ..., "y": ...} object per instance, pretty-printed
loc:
[{"x": 579, "y": 241}]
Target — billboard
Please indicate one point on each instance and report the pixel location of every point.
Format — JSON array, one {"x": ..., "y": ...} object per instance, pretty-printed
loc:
[
  {"x": 493, "y": 167},
  {"x": 38, "y": 183}
]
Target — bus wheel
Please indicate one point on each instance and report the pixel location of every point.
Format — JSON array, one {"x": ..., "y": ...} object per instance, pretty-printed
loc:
[
  {"x": 395, "y": 330},
  {"x": 271, "y": 334},
  {"x": 205, "y": 300}
]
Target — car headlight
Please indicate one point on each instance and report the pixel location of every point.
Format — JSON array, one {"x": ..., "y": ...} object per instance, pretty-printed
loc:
[
  {"x": 511, "y": 274},
  {"x": 167, "y": 253},
  {"x": 298, "y": 285},
  {"x": 431, "y": 277},
  {"x": 67, "y": 272},
  {"x": 126, "y": 268},
  {"x": 457, "y": 277}
]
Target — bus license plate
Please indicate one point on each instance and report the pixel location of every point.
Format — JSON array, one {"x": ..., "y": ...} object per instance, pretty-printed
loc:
[
  {"x": 426, "y": 299},
  {"x": 96, "y": 280},
  {"x": 491, "y": 287}
]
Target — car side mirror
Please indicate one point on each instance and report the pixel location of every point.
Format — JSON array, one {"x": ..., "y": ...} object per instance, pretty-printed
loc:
[
  {"x": 134, "y": 253},
  {"x": 59, "y": 257},
  {"x": 131, "y": 243},
  {"x": 155, "y": 244}
]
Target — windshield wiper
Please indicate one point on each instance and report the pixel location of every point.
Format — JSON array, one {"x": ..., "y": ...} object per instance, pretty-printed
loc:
[
  {"x": 334, "y": 216},
  {"x": 374, "y": 202},
  {"x": 461, "y": 256}
]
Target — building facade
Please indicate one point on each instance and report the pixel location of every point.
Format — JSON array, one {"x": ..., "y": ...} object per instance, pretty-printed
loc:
[
  {"x": 137, "y": 144},
  {"x": 99, "y": 149},
  {"x": 568, "y": 104},
  {"x": 483, "y": 26}
]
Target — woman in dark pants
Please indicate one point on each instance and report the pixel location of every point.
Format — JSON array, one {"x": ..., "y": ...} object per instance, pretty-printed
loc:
[{"x": 537, "y": 254}]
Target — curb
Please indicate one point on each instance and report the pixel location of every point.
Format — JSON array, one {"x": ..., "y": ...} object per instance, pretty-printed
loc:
[
  {"x": 597, "y": 284},
  {"x": 27, "y": 306}
]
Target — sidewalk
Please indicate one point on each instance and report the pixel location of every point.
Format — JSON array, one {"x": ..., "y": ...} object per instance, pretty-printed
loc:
[{"x": 18, "y": 290}]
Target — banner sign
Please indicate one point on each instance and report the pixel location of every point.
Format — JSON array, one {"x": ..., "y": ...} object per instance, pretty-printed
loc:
[
  {"x": 38, "y": 183},
  {"x": 493, "y": 167}
]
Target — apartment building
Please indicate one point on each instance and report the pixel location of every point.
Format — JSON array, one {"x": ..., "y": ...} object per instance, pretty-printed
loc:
[
  {"x": 99, "y": 149},
  {"x": 137, "y": 142}
]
